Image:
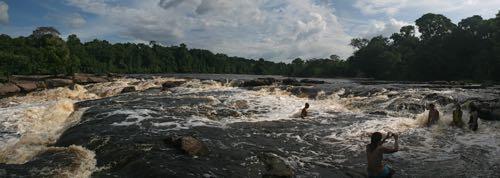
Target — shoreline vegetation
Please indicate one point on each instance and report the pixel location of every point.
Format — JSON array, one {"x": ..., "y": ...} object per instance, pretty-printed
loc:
[{"x": 441, "y": 51}]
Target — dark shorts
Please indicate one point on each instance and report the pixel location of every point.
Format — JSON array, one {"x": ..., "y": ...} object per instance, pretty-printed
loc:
[{"x": 385, "y": 173}]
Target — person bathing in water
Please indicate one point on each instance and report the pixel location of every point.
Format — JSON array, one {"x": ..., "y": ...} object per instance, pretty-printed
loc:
[
  {"x": 473, "y": 117},
  {"x": 433, "y": 115},
  {"x": 303, "y": 114},
  {"x": 457, "y": 117},
  {"x": 375, "y": 154}
]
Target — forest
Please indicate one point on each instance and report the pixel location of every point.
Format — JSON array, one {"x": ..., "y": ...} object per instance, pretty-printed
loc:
[{"x": 434, "y": 49}]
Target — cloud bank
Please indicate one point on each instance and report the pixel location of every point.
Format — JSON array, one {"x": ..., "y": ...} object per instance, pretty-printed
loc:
[{"x": 276, "y": 30}]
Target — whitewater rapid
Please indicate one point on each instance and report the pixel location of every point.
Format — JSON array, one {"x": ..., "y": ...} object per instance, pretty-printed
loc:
[{"x": 333, "y": 136}]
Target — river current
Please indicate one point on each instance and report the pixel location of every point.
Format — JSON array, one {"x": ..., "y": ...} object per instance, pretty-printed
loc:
[{"x": 96, "y": 131}]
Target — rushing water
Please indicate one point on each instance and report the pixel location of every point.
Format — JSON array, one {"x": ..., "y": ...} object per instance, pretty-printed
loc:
[{"x": 115, "y": 134}]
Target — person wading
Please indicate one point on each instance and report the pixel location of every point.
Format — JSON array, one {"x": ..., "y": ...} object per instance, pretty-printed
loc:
[
  {"x": 473, "y": 117},
  {"x": 457, "y": 117},
  {"x": 303, "y": 114},
  {"x": 375, "y": 154},
  {"x": 433, "y": 115}
]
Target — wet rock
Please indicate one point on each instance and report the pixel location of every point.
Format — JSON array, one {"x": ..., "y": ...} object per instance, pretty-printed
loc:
[
  {"x": 404, "y": 105},
  {"x": 29, "y": 77},
  {"x": 172, "y": 84},
  {"x": 41, "y": 84},
  {"x": 128, "y": 89},
  {"x": 188, "y": 144},
  {"x": 310, "y": 81},
  {"x": 441, "y": 100},
  {"x": 8, "y": 89},
  {"x": 193, "y": 146},
  {"x": 305, "y": 92},
  {"x": 489, "y": 110},
  {"x": 227, "y": 113},
  {"x": 240, "y": 104},
  {"x": 381, "y": 113},
  {"x": 258, "y": 82},
  {"x": 27, "y": 86},
  {"x": 290, "y": 81},
  {"x": 88, "y": 78},
  {"x": 58, "y": 82},
  {"x": 70, "y": 161},
  {"x": 276, "y": 167}
]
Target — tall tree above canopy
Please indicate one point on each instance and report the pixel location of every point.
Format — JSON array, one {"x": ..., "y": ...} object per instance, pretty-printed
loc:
[
  {"x": 434, "y": 26},
  {"x": 41, "y": 31}
]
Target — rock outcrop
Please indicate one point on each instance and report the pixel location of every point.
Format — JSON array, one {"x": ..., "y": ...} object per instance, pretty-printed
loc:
[{"x": 8, "y": 89}]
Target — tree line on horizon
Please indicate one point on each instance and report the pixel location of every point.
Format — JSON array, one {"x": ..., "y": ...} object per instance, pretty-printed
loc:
[{"x": 469, "y": 50}]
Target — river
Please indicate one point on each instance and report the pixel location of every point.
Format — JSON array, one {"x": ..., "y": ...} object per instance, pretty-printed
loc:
[{"x": 96, "y": 131}]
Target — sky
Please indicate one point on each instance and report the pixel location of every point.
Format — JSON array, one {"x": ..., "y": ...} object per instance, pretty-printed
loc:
[{"x": 276, "y": 30}]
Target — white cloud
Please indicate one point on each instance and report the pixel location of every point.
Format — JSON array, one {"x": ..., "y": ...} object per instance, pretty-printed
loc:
[
  {"x": 75, "y": 20},
  {"x": 4, "y": 13},
  {"x": 279, "y": 30},
  {"x": 464, "y": 8},
  {"x": 383, "y": 28}
]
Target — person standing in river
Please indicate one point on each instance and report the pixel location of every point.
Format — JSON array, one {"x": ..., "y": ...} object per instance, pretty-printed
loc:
[
  {"x": 473, "y": 117},
  {"x": 375, "y": 154},
  {"x": 303, "y": 114},
  {"x": 457, "y": 117},
  {"x": 433, "y": 115}
]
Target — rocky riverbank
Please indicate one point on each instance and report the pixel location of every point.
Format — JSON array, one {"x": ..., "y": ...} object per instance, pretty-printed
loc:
[{"x": 22, "y": 84}]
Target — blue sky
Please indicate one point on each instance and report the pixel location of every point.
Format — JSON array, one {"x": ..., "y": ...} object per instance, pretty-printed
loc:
[{"x": 278, "y": 30}]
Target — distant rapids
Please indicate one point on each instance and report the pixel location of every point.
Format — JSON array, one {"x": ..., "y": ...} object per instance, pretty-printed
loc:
[{"x": 98, "y": 130}]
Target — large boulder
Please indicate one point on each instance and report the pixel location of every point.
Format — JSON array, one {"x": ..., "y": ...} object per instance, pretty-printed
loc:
[
  {"x": 58, "y": 82},
  {"x": 276, "y": 166},
  {"x": 8, "y": 89},
  {"x": 27, "y": 86}
]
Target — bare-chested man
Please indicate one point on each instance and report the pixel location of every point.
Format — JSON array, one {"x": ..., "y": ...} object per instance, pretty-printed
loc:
[
  {"x": 375, "y": 153},
  {"x": 303, "y": 114},
  {"x": 433, "y": 115}
]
